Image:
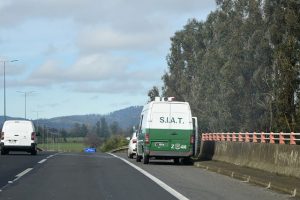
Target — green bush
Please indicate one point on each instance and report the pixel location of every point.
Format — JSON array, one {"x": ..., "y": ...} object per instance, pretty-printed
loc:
[{"x": 114, "y": 142}]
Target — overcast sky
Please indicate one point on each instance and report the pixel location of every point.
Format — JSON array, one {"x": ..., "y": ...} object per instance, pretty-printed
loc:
[{"x": 87, "y": 56}]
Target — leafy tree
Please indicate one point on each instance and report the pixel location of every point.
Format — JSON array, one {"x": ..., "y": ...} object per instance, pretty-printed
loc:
[
  {"x": 154, "y": 92},
  {"x": 240, "y": 68},
  {"x": 115, "y": 128},
  {"x": 104, "y": 128}
]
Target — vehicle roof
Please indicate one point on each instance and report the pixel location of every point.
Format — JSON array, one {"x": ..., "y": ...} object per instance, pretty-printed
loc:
[
  {"x": 150, "y": 104},
  {"x": 19, "y": 121}
]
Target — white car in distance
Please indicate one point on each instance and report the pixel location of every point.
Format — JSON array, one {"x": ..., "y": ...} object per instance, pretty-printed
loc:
[
  {"x": 132, "y": 146},
  {"x": 18, "y": 135}
]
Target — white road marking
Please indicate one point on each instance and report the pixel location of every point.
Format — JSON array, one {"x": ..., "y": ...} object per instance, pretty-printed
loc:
[
  {"x": 21, "y": 174},
  {"x": 52, "y": 155},
  {"x": 42, "y": 161},
  {"x": 24, "y": 172},
  {"x": 153, "y": 178}
]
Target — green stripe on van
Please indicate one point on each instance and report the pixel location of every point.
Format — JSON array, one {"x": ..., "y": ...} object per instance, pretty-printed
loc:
[{"x": 176, "y": 140}]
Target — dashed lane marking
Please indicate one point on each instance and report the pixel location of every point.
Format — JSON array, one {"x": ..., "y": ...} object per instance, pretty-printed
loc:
[{"x": 40, "y": 162}]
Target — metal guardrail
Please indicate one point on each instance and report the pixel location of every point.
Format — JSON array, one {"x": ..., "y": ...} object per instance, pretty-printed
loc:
[{"x": 280, "y": 138}]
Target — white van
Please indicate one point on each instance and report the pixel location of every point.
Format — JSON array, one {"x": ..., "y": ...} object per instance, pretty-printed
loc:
[
  {"x": 167, "y": 130},
  {"x": 18, "y": 135}
]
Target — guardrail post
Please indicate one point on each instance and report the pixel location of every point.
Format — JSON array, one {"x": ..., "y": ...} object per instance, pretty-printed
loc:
[
  {"x": 292, "y": 138},
  {"x": 240, "y": 137},
  {"x": 281, "y": 138},
  {"x": 227, "y": 137},
  {"x": 222, "y": 137},
  {"x": 262, "y": 138},
  {"x": 218, "y": 136},
  {"x": 247, "y": 138},
  {"x": 233, "y": 137},
  {"x": 254, "y": 137},
  {"x": 272, "y": 141}
]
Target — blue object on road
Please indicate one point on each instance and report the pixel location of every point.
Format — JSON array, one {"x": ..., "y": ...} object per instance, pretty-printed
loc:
[{"x": 89, "y": 150}]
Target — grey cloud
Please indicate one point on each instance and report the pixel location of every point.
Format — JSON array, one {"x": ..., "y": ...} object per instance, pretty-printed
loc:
[
  {"x": 110, "y": 87},
  {"x": 91, "y": 11}
]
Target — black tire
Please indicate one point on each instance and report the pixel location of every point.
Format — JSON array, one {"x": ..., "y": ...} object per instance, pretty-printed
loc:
[
  {"x": 187, "y": 161},
  {"x": 131, "y": 156},
  {"x": 176, "y": 161},
  {"x": 4, "y": 152},
  {"x": 138, "y": 158},
  {"x": 145, "y": 159},
  {"x": 33, "y": 152}
]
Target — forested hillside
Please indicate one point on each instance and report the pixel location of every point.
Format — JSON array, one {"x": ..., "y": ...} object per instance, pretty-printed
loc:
[{"x": 240, "y": 69}]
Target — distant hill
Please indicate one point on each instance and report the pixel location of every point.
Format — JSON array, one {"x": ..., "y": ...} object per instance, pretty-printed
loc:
[{"x": 126, "y": 118}]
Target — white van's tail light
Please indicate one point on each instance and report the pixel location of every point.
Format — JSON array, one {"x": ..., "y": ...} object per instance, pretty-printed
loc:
[
  {"x": 147, "y": 138},
  {"x": 2, "y": 136},
  {"x": 192, "y": 139},
  {"x": 33, "y": 136},
  {"x": 134, "y": 141}
]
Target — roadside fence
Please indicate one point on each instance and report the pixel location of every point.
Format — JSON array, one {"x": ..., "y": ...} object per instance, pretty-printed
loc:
[{"x": 273, "y": 138}]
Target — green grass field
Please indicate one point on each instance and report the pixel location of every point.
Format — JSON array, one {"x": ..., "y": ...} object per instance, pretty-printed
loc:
[{"x": 63, "y": 147}]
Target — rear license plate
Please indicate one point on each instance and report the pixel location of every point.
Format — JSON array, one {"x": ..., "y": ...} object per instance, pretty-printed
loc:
[{"x": 160, "y": 144}]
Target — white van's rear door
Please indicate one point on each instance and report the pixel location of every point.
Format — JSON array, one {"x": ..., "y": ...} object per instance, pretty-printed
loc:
[{"x": 18, "y": 133}]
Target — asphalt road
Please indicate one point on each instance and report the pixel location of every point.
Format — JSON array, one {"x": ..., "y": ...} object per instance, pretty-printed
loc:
[
  {"x": 17, "y": 162},
  {"x": 83, "y": 176},
  {"x": 70, "y": 176}
]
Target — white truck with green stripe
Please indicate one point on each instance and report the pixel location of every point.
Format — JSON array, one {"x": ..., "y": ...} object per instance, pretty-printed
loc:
[{"x": 166, "y": 130}]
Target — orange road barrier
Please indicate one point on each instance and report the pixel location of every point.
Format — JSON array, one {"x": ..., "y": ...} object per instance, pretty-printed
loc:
[
  {"x": 254, "y": 137},
  {"x": 240, "y": 137},
  {"x": 218, "y": 137},
  {"x": 228, "y": 137},
  {"x": 292, "y": 138},
  {"x": 222, "y": 137},
  {"x": 233, "y": 137},
  {"x": 272, "y": 141},
  {"x": 262, "y": 138},
  {"x": 247, "y": 138},
  {"x": 281, "y": 138},
  {"x": 205, "y": 137}
]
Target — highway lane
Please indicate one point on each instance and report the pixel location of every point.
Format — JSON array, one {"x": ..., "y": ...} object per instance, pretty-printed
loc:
[
  {"x": 69, "y": 176},
  {"x": 195, "y": 183},
  {"x": 16, "y": 162},
  {"x": 102, "y": 176}
]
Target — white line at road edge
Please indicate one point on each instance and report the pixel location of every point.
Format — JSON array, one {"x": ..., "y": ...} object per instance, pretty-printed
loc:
[
  {"x": 42, "y": 161},
  {"x": 22, "y": 174},
  {"x": 153, "y": 178}
]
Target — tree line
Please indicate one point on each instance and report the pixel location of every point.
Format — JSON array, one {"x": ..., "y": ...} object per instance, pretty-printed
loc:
[
  {"x": 97, "y": 133},
  {"x": 239, "y": 69}
]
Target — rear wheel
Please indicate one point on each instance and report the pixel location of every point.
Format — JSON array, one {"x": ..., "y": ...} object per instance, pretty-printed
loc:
[
  {"x": 145, "y": 159},
  {"x": 138, "y": 158},
  {"x": 187, "y": 161},
  {"x": 4, "y": 152},
  {"x": 33, "y": 152},
  {"x": 176, "y": 161}
]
